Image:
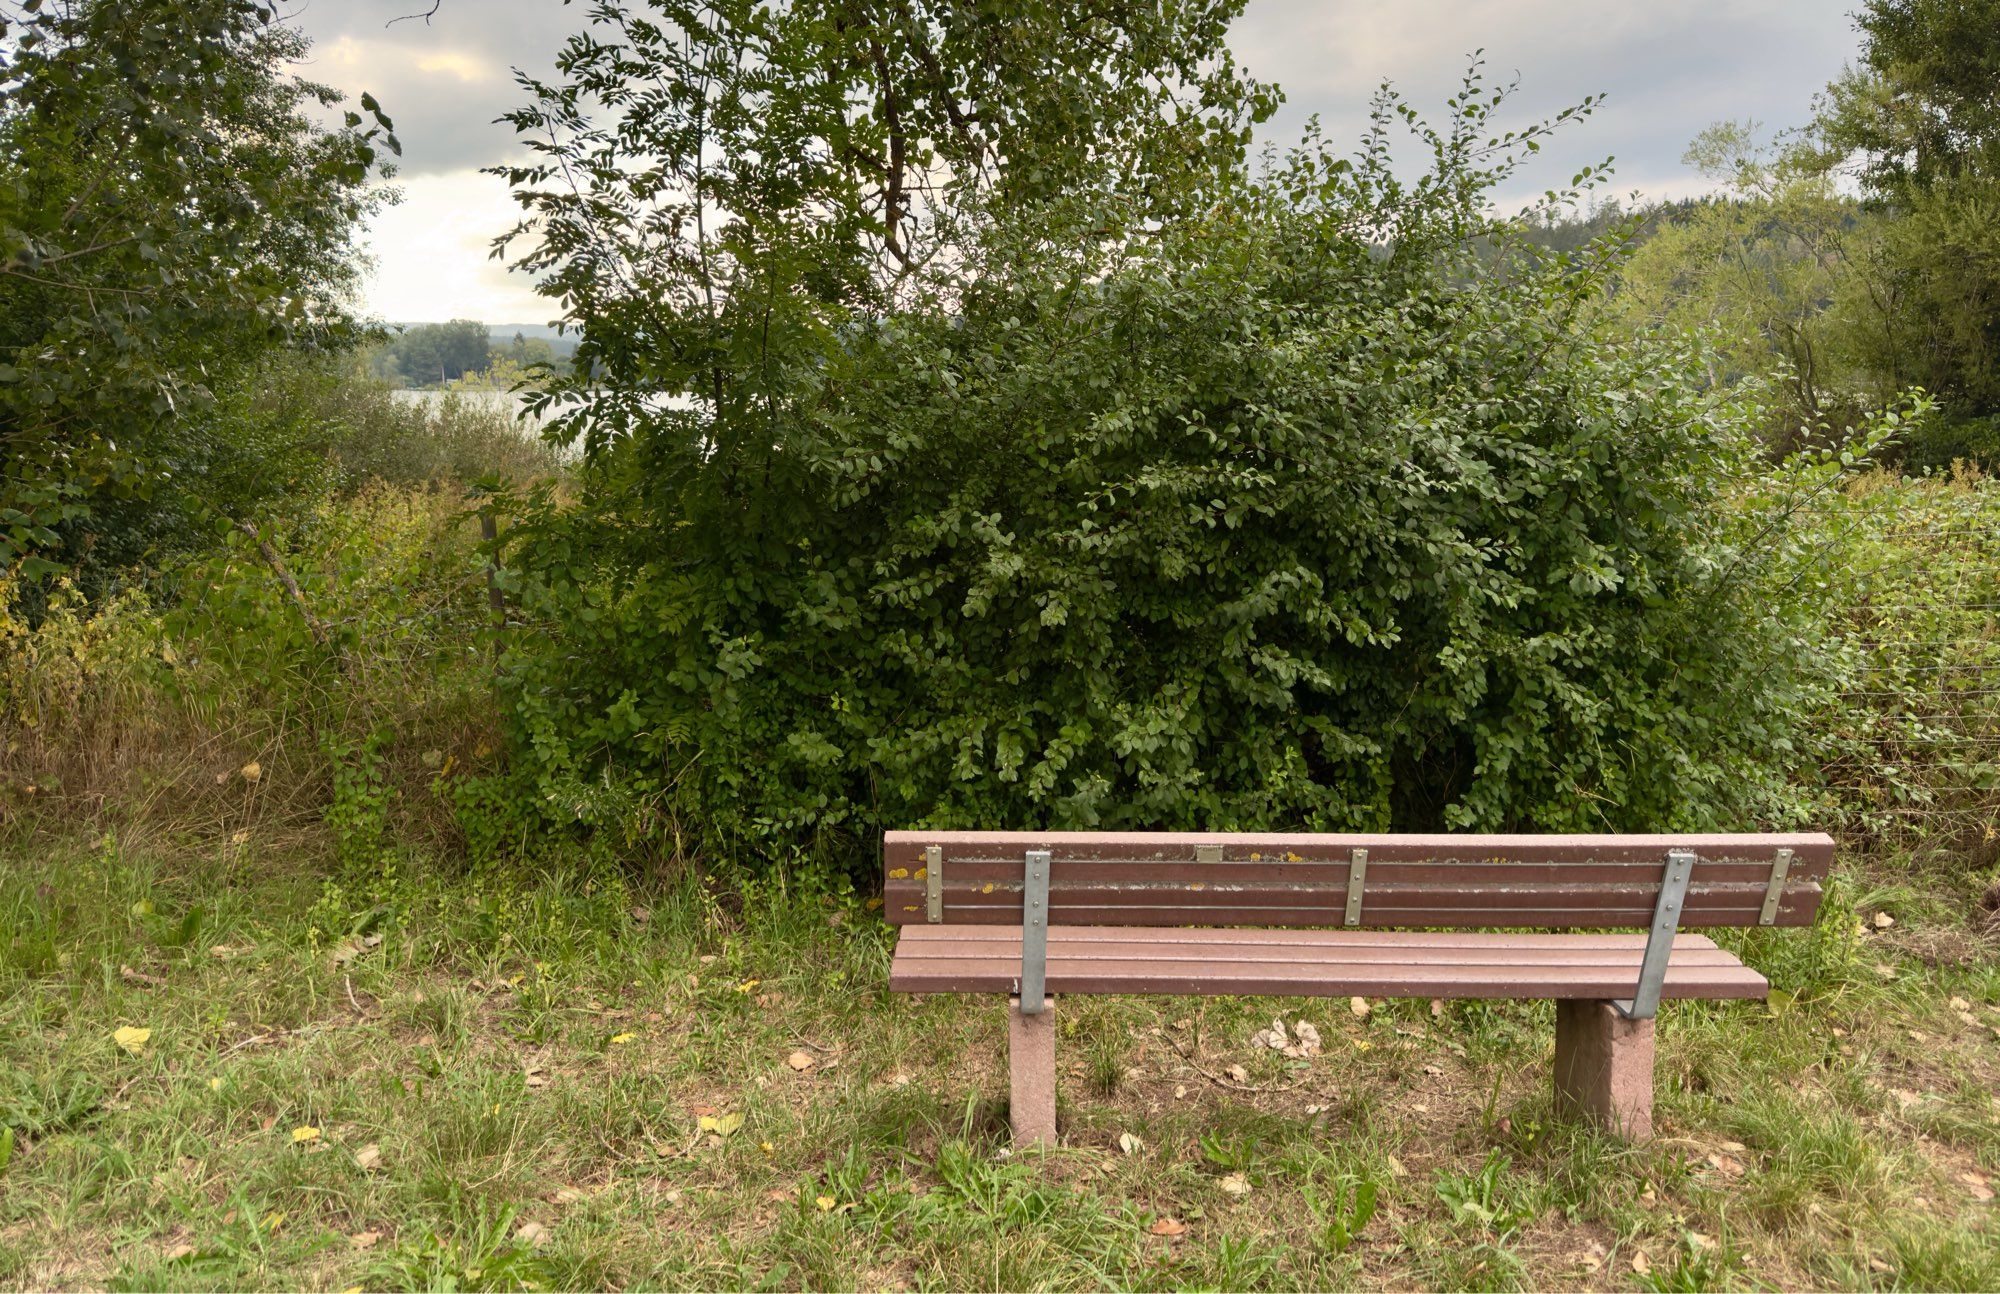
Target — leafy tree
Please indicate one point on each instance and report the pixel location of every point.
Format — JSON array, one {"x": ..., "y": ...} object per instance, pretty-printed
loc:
[
  {"x": 1922, "y": 107},
  {"x": 1165, "y": 495},
  {"x": 169, "y": 213},
  {"x": 433, "y": 354},
  {"x": 1920, "y": 118},
  {"x": 1782, "y": 269}
]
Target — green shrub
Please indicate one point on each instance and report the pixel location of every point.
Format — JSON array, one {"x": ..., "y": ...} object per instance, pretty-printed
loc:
[
  {"x": 1942, "y": 442},
  {"x": 1301, "y": 513}
]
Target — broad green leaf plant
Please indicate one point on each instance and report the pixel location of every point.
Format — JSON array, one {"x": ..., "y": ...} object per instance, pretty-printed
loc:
[{"x": 975, "y": 436}]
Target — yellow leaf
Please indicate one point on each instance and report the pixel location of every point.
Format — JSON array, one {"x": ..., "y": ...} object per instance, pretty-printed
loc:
[
  {"x": 273, "y": 1220},
  {"x": 619, "y": 1039},
  {"x": 215, "y": 1085},
  {"x": 748, "y": 985},
  {"x": 721, "y": 1124},
  {"x": 800, "y": 1061},
  {"x": 132, "y": 1040},
  {"x": 304, "y": 1133},
  {"x": 253, "y": 771},
  {"x": 825, "y": 1202}
]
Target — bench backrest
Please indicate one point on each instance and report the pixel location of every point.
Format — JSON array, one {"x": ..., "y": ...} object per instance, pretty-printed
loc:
[{"x": 1252, "y": 879}]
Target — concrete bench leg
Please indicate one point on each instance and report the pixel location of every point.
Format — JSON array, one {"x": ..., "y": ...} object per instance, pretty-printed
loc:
[
  {"x": 1031, "y": 1066},
  {"x": 1604, "y": 1068}
]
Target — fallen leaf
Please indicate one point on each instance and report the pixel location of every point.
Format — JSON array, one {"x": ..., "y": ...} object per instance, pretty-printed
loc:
[
  {"x": 1878, "y": 1266},
  {"x": 799, "y": 1061},
  {"x": 1236, "y": 1184},
  {"x": 1700, "y": 1241},
  {"x": 368, "y": 1157},
  {"x": 620, "y": 1039},
  {"x": 1641, "y": 1264},
  {"x": 131, "y": 1039},
  {"x": 1960, "y": 1004},
  {"x": 1396, "y": 1168},
  {"x": 825, "y": 1202},
  {"x": 304, "y": 1133},
  {"x": 1358, "y": 1005},
  {"x": 365, "y": 1240},
  {"x": 253, "y": 772},
  {"x": 1130, "y": 1144},
  {"x": 179, "y": 1252},
  {"x": 532, "y": 1233},
  {"x": 1169, "y": 1227},
  {"x": 720, "y": 1124},
  {"x": 1237, "y": 1074},
  {"x": 1883, "y": 921},
  {"x": 1978, "y": 1185},
  {"x": 239, "y": 837}
]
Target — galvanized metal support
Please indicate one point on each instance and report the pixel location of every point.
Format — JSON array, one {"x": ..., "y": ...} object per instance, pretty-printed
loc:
[
  {"x": 1774, "y": 893},
  {"x": 1357, "y": 878},
  {"x": 933, "y": 883},
  {"x": 1645, "y": 1001},
  {"x": 1035, "y": 932}
]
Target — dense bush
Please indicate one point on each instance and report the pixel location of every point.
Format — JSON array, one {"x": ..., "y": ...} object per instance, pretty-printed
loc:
[
  {"x": 1308, "y": 512},
  {"x": 226, "y": 702}
]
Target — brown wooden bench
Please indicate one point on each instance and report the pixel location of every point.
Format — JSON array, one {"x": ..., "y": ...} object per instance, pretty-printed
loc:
[{"x": 1033, "y": 914}]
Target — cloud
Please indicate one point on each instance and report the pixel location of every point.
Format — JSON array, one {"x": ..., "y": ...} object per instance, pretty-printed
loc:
[
  {"x": 431, "y": 254},
  {"x": 1668, "y": 70}
]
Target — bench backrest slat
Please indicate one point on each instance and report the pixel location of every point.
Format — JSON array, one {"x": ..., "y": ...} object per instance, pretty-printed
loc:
[{"x": 1261, "y": 879}]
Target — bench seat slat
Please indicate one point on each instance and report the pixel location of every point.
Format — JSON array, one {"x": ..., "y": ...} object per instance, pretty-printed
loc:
[
  {"x": 1084, "y": 959},
  {"x": 920, "y": 937}
]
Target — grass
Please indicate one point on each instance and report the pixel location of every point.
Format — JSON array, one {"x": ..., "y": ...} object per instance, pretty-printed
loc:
[{"x": 572, "y": 1082}]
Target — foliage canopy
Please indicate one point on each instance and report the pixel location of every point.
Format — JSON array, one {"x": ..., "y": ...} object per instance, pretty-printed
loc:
[{"x": 1172, "y": 494}]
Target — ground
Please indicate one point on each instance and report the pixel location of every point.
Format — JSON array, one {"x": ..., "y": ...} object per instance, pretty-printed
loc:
[{"x": 582, "y": 1080}]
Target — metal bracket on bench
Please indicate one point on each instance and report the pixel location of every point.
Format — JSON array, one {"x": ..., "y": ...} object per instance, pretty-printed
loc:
[
  {"x": 1357, "y": 876},
  {"x": 1774, "y": 893},
  {"x": 933, "y": 884},
  {"x": 1645, "y": 1002},
  {"x": 1035, "y": 932}
]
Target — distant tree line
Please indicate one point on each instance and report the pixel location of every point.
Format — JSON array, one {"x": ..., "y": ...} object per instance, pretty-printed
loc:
[{"x": 437, "y": 354}]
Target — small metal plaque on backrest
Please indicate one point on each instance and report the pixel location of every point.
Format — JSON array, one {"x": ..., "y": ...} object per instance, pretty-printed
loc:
[
  {"x": 1034, "y": 931},
  {"x": 934, "y": 883},
  {"x": 1774, "y": 892},
  {"x": 1208, "y": 853},
  {"x": 1357, "y": 878}
]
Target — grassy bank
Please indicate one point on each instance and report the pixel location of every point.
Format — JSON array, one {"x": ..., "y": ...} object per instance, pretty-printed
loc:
[
  {"x": 392, "y": 1082},
  {"x": 384, "y": 1047}
]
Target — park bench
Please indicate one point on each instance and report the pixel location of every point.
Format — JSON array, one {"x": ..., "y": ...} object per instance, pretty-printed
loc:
[{"x": 1033, "y": 914}]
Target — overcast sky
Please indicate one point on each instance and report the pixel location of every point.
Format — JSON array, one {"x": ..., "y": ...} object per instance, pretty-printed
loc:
[{"x": 1670, "y": 67}]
